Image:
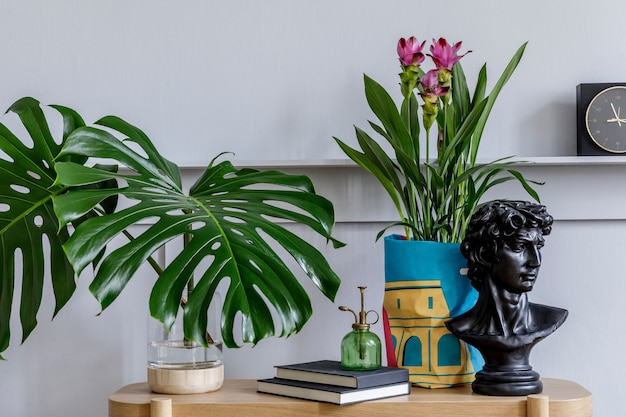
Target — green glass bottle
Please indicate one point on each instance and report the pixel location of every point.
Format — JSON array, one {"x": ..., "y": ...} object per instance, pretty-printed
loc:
[{"x": 361, "y": 349}]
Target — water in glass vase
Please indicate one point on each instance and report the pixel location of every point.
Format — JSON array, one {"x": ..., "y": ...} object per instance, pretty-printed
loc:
[{"x": 183, "y": 354}]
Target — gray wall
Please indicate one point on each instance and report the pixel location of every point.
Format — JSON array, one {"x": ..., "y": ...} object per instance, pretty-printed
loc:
[{"x": 273, "y": 81}]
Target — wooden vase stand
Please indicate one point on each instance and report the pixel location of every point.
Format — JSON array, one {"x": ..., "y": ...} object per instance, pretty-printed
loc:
[{"x": 185, "y": 381}]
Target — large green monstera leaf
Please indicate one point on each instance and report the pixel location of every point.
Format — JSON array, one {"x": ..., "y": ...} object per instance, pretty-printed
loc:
[
  {"x": 228, "y": 217},
  {"x": 29, "y": 230}
]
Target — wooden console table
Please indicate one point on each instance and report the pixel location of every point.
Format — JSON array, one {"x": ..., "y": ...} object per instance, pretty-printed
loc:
[{"x": 560, "y": 398}]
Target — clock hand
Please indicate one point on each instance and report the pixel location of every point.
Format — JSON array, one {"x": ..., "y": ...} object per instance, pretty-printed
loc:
[
  {"x": 616, "y": 119},
  {"x": 618, "y": 116}
]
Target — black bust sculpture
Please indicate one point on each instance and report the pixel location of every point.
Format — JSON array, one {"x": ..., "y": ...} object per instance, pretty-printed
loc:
[{"x": 502, "y": 245}]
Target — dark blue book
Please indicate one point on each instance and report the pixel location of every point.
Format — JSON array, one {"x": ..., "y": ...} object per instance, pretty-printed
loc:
[
  {"x": 330, "y": 373},
  {"x": 330, "y": 393}
]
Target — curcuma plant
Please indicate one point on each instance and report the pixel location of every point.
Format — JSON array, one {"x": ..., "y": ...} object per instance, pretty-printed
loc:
[
  {"x": 435, "y": 182},
  {"x": 230, "y": 220}
]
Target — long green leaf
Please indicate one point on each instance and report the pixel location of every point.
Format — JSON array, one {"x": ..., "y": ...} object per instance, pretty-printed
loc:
[
  {"x": 481, "y": 85},
  {"x": 385, "y": 110},
  {"x": 371, "y": 166},
  {"x": 379, "y": 158},
  {"x": 460, "y": 93},
  {"x": 493, "y": 95}
]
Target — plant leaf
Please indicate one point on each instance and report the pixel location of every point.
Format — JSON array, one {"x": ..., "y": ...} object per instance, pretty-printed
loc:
[
  {"x": 493, "y": 95},
  {"x": 385, "y": 109},
  {"x": 230, "y": 215},
  {"x": 27, "y": 219},
  {"x": 380, "y": 169}
]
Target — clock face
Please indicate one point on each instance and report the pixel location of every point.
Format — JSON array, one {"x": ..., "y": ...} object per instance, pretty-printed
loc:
[{"x": 606, "y": 119}]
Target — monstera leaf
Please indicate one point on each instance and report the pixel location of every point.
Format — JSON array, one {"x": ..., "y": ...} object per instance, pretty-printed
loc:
[
  {"x": 29, "y": 230},
  {"x": 228, "y": 218}
]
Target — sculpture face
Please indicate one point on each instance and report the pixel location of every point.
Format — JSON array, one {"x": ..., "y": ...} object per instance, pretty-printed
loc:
[{"x": 519, "y": 261}]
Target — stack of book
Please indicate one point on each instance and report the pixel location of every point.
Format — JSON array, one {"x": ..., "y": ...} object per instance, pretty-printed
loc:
[{"x": 326, "y": 381}]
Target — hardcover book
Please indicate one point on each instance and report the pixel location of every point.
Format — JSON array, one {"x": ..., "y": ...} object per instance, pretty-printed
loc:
[
  {"x": 330, "y": 393},
  {"x": 330, "y": 373}
]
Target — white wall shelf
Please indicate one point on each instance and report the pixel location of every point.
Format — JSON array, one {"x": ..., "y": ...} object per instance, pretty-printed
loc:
[
  {"x": 608, "y": 160},
  {"x": 575, "y": 187}
]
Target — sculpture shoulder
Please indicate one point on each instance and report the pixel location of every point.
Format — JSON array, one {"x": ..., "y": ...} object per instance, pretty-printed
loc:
[
  {"x": 547, "y": 316},
  {"x": 463, "y": 323},
  {"x": 545, "y": 319}
]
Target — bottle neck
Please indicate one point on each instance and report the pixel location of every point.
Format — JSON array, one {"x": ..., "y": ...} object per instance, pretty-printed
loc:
[{"x": 360, "y": 329}]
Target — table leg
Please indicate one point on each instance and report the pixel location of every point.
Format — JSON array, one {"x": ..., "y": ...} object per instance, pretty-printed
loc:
[
  {"x": 538, "y": 405},
  {"x": 161, "y": 407}
]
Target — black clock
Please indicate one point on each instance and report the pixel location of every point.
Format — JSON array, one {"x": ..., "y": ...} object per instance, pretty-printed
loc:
[{"x": 601, "y": 120}]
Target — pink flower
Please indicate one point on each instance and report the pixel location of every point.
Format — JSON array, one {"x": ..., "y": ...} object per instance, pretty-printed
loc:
[
  {"x": 410, "y": 51},
  {"x": 431, "y": 86},
  {"x": 445, "y": 55},
  {"x": 432, "y": 90}
]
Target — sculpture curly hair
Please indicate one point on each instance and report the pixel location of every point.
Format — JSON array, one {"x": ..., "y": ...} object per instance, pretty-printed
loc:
[{"x": 491, "y": 225}]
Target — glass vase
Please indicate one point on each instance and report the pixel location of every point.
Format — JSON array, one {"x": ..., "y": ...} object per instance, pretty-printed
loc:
[{"x": 180, "y": 366}]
